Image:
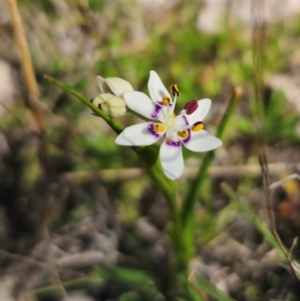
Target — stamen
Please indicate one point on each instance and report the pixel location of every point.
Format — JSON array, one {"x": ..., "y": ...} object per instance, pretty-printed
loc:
[
  {"x": 191, "y": 107},
  {"x": 183, "y": 134},
  {"x": 198, "y": 126},
  {"x": 166, "y": 101},
  {"x": 159, "y": 128},
  {"x": 174, "y": 90}
]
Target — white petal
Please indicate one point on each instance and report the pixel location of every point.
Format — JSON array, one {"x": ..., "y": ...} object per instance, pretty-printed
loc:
[
  {"x": 138, "y": 134},
  {"x": 181, "y": 123},
  {"x": 118, "y": 86},
  {"x": 102, "y": 85},
  {"x": 143, "y": 105},
  {"x": 156, "y": 88},
  {"x": 114, "y": 106},
  {"x": 201, "y": 111},
  {"x": 171, "y": 159},
  {"x": 201, "y": 141},
  {"x": 115, "y": 85},
  {"x": 101, "y": 98}
]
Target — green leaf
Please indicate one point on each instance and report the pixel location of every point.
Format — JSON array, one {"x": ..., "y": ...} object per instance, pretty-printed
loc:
[
  {"x": 189, "y": 290},
  {"x": 130, "y": 277},
  {"x": 193, "y": 193},
  {"x": 211, "y": 289}
]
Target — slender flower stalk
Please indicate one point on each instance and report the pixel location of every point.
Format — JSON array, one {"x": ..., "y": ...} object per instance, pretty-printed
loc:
[{"x": 185, "y": 128}]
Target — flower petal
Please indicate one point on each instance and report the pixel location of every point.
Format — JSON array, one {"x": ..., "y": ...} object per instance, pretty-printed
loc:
[
  {"x": 139, "y": 134},
  {"x": 171, "y": 158},
  {"x": 156, "y": 88},
  {"x": 102, "y": 85},
  {"x": 101, "y": 98},
  {"x": 201, "y": 141},
  {"x": 118, "y": 86},
  {"x": 114, "y": 107},
  {"x": 201, "y": 111},
  {"x": 143, "y": 105},
  {"x": 181, "y": 123},
  {"x": 114, "y": 85}
]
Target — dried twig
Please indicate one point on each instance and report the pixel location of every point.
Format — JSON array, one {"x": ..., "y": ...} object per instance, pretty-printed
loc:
[
  {"x": 258, "y": 34},
  {"x": 26, "y": 63},
  {"x": 18, "y": 257},
  {"x": 294, "y": 176},
  {"x": 127, "y": 174}
]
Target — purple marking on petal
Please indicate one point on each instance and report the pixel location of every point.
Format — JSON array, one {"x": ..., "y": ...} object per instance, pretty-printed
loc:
[
  {"x": 185, "y": 119},
  {"x": 173, "y": 143},
  {"x": 188, "y": 138},
  {"x": 156, "y": 111},
  {"x": 152, "y": 131}
]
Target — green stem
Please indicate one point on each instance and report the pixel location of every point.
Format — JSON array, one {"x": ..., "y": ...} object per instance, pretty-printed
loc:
[{"x": 114, "y": 125}]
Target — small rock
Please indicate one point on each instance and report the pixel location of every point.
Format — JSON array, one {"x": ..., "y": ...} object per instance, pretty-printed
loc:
[
  {"x": 83, "y": 260},
  {"x": 146, "y": 231},
  {"x": 78, "y": 297},
  {"x": 6, "y": 289},
  {"x": 234, "y": 283}
]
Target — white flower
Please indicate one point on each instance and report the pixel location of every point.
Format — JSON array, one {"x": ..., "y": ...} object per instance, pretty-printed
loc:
[
  {"x": 186, "y": 128},
  {"x": 111, "y": 98}
]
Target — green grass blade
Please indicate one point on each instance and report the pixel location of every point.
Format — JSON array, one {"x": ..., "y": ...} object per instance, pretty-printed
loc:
[
  {"x": 211, "y": 289},
  {"x": 192, "y": 195},
  {"x": 126, "y": 276},
  {"x": 190, "y": 291},
  {"x": 250, "y": 214}
]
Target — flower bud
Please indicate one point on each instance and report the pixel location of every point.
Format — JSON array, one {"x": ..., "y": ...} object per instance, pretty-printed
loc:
[
  {"x": 110, "y": 104},
  {"x": 114, "y": 85}
]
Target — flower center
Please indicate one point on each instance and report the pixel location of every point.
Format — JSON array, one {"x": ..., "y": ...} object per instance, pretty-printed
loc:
[{"x": 170, "y": 123}]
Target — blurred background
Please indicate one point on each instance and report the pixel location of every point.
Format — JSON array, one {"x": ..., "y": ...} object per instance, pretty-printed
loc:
[{"x": 71, "y": 199}]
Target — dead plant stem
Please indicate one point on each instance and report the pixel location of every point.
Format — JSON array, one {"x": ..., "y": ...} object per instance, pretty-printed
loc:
[
  {"x": 27, "y": 68},
  {"x": 26, "y": 65}
]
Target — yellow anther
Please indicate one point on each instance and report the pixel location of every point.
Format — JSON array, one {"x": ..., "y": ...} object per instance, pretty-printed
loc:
[
  {"x": 159, "y": 128},
  {"x": 183, "y": 134},
  {"x": 174, "y": 90},
  {"x": 198, "y": 126},
  {"x": 166, "y": 100}
]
